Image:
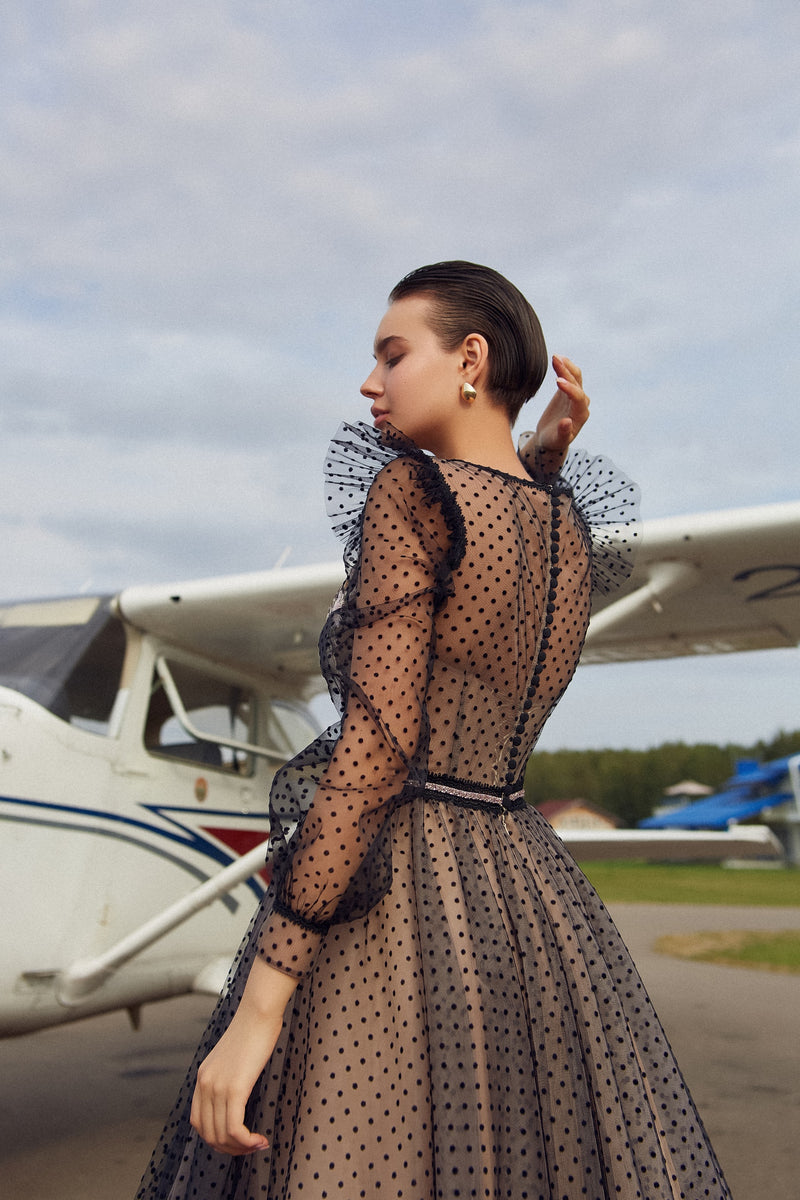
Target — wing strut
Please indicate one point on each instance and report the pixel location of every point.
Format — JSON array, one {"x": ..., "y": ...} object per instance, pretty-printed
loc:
[
  {"x": 664, "y": 579},
  {"x": 86, "y": 975}
]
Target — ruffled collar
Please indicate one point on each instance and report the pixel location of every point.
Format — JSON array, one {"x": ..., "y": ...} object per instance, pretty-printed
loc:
[
  {"x": 355, "y": 456},
  {"x": 606, "y": 499}
]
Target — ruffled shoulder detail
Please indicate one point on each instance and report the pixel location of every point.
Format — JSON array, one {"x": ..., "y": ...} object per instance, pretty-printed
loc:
[
  {"x": 356, "y": 455},
  {"x": 608, "y": 502}
]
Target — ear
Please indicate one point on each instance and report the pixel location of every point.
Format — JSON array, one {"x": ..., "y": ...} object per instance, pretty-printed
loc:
[{"x": 474, "y": 356}]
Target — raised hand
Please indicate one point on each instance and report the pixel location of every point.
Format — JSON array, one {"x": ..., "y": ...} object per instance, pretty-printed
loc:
[{"x": 567, "y": 412}]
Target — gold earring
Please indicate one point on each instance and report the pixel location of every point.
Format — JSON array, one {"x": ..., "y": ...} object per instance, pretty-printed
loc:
[{"x": 468, "y": 392}]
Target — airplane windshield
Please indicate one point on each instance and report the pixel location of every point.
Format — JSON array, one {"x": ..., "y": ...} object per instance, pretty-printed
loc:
[{"x": 66, "y": 655}]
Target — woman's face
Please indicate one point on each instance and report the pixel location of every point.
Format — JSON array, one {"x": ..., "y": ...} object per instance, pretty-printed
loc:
[{"x": 415, "y": 385}]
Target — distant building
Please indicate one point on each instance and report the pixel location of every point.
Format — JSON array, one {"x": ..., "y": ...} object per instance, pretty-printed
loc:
[
  {"x": 681, "y": 794},
  {"x": 577, "y": 814},
  {"x": 689, "y": 789}
]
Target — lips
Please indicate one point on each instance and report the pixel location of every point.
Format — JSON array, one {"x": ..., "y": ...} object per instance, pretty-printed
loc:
[{"x": 378, "y": 415}]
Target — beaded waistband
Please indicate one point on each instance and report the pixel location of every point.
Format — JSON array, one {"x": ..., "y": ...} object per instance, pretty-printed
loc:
[{"x": 474, "y": 795}]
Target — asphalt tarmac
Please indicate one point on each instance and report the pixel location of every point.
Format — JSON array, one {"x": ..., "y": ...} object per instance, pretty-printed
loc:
[{"x": 81, "y": 1106}]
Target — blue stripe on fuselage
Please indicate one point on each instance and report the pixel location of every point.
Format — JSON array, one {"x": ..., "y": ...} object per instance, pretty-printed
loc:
[{"x": 124, "y": 831}]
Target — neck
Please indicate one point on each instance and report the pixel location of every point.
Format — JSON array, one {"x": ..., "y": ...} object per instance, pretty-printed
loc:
[{"x": 482, "y": 436}]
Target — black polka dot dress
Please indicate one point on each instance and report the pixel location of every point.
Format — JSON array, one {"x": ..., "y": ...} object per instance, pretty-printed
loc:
[{"x": 468, "y": 1022}]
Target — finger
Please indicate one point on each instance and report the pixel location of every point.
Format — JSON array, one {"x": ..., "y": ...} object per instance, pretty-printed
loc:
[
  {"x": 572, "y": 390},
  {"x": 245, "y": 1142},
  {"x": 230, "y": 1134},
  {"x": 568, "y": 386},
  {"x": 199, "y": 1117},
  {"x": 208, "y": 1124},
  {"x": 237, "y": 1142},
  {"x": 569, "y": 368},
  {"x": 237, "y": 1137},
  {"x": 208, "y": 1117}
]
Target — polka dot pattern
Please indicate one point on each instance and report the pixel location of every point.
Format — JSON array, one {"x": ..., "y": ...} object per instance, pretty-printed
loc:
[{"x": 468, "y": 1021}]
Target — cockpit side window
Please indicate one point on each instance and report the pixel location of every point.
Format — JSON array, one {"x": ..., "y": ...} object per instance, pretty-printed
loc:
[{"x": 215, "y": 706}]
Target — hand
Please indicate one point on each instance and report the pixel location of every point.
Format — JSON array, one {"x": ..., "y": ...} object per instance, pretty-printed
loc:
[
  {"x": 567, "y": 412},
  {"x": 226, "y": 1077}
]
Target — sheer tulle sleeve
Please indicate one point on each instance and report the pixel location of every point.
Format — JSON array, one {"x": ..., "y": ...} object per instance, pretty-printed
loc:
[
  {"x": 607, "y": 501},
  {"x": 376, "y": 652}
]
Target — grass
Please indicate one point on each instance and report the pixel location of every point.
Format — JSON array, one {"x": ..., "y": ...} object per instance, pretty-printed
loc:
[
  {"x": 693, "y": 883},
  {"x": 738, "y": 948}
]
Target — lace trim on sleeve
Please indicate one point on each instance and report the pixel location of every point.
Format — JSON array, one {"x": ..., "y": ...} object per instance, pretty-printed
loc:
[{"x": 355, "y": 456}]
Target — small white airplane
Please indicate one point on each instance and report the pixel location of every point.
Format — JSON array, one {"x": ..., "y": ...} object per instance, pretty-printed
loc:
[{"x": 139, "y": 735}]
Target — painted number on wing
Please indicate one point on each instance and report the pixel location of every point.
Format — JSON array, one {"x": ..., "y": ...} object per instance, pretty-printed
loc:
[{"x": 784, "y": 589}]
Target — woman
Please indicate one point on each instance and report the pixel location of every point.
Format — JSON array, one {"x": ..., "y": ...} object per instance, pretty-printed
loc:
[{"x": 432, "y": 1002}]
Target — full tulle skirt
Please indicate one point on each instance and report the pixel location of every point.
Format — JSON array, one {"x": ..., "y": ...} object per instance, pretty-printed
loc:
[{"x": 481, "y": 1032}]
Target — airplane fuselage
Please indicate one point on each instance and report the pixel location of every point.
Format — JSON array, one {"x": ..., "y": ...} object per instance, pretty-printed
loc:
[{"x": 105, "y": 823}]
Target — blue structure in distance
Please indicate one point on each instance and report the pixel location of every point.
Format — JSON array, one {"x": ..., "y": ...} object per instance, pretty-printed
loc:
[{"x": 754, "y": 787}]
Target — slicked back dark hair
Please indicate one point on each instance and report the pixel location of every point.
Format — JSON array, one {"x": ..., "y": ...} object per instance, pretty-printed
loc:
[{"x": 467, "y": 298}]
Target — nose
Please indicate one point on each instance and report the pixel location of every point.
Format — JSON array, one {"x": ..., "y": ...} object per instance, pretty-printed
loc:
[{"x": 371, "y": 386}]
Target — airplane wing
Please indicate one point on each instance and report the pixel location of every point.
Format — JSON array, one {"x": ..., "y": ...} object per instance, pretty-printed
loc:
[
  {"x": 266, "y": 623},
  {"x": 705, "y": 584}
]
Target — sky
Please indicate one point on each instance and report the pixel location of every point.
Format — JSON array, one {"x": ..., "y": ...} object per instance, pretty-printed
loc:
[{"x": 204, "y": 205}]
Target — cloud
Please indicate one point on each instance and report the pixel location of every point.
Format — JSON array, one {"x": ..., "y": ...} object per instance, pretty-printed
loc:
[
  {"x": 205, "y": 205},
  {"x": 167, "y": 511},
  {"x": 153, "y": 385}
]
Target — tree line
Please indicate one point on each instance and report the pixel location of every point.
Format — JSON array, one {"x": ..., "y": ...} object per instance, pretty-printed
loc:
[{"x": 631, "y": 783}]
